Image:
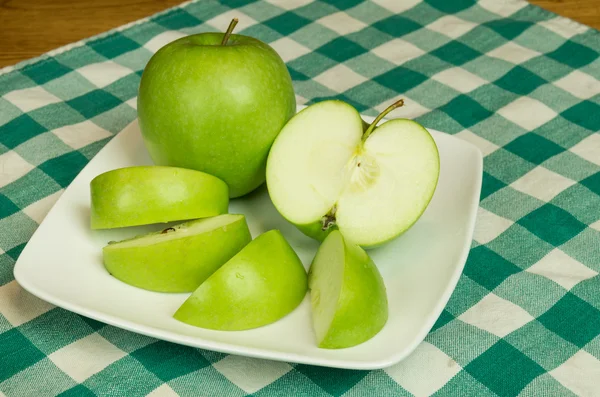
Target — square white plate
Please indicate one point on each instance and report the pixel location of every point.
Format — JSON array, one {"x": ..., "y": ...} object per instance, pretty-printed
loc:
[{"x": 62, "y": 264}]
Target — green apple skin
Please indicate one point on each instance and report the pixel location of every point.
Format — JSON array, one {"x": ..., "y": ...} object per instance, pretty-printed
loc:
[
  {"x": 215, "y": 108},
  {"x": 144, "y": 195},
  {"x": 180, "y": 258},
  {"x": 345, "y": 274},
  {"x": 264, "y": 282}
]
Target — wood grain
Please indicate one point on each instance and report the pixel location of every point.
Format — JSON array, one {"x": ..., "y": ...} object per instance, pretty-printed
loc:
[{"x": 29, "y": 28}]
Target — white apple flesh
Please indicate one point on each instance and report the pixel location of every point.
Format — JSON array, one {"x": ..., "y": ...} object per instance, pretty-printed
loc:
[{"x": 325, "y": 172}]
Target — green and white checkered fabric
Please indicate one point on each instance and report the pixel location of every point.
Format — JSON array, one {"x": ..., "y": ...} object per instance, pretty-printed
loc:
[{"x": 517, "y": 81}]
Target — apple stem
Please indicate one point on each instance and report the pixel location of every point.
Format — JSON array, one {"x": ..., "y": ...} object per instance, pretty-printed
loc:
[
  {"x": 371, "y": 128},
  {"x": 232, "y": 24}
]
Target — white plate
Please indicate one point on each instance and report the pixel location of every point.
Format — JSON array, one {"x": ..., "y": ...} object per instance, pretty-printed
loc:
[{"x": 62, "y": 264}]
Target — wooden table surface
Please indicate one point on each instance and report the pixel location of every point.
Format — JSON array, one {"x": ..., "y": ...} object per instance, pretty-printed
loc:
[{"x": 31, "y": 27}]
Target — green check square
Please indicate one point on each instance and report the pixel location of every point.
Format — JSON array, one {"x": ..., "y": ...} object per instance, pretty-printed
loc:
[
  {"x": 55, "y": 329},
  {"x": 571, "y": 165},
  {"x": 116, "y": 119},
  {"x": 585, "y": 248},
  {"x": 7, "y": 207},
  {"x": 77, "y": 391},
  {"x": 461, "y": 382},
  {"x": 69, "y": 86},
  {"x": 451, "y": 7},
  {"x": 585, "y": 114},
  {"x": 427, "y": 65},
  {"x": 397, "y": 25},
  {"x": 370, "y": 93},
  {"x": 488, "y": 268},
  {"x": 176, "y": 19},
  {"x": 262, "y": 32},
  {"x": 42, "y": 148},
  {"x": 508, "y": 28},
  {"x": 541, "y": 345},
  {"x": 587, "y": 290},
  {"x": 17, "y": 354},
  {"x": 520, "y": 81},
  {"x": 92, "y": 149},
  {"x": 207, "y": 378},
  {"x": 56, "y": 115},
  {"x": 45, "y": 70},
  {"x": 534, "y": 148},
  {"x": 492, "y": 97},
  {"x": 442, "y": 320},
  {"x": 113, "y": 45},
  {"x": 55, "y": 381},
  {"x": 4, "y": 324},
  {"x": 334, "y": 381},
  {"x": 14, "y": 81},
  {"x": 546, "y": 68},
  {"x": 63, "y": 169},
  {"x": 499, "y": 131},
  {"x": 466, "y": 294},
  {"x": 506, "y": 166},
  {"x": 7, "y": 264},
  {"x": 343, "y": 4},
  {"x": 504, "y": 369},
  {"x": 519, "y": 245},
  {"x": 341, "y": 49},
  {"x": 554, "y": 97},
  {"x": 261, "y": 11},
  {"x": 19, "y": 130},
  {"x": 573, "y": 319},
  {"x": 125, "y": 88},
  {"x": 33, "y": 186},
  {"x": 466, "y": 111},
  {"x": 488, "y": 68},
  {"x": 94, "y": 103},
  {"x": 369, "y": 65},
  {"x": 125, "y": 377},
  {"x": 369, "y": 37},
  {"x": 552, "y": 224},
  {"x": 142, "y": 34},
  {"x": 431, "y": 93},
  {"x": 540, "y": 39},
  {"x": 168, "y": 360},
  {"x": 208, "y": 9},
  {"x": 573, "y": 54},
  {"x": 473, "y": 39},
  {"x": 312, "y": 89},
  {"x": 125, "y": 340},
  {"x": 509, "y": 203},
  {"x": 580, "y": 202},
  {"x": 287, "y": 23},
  {"x": 426, "y": 39},
  {"x": 456, "y": 53},
  {"x": 423, "y": 13},
  {"x": 546, "y": 382},
  {"x": 532, "y": 292},
  {"x": 562, "y": 132},
  {"x": 476, "y": 339},
  {"x": 400, "y": 79}
]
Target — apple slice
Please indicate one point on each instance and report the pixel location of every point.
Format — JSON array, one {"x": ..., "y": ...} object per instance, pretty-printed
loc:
[
  {"x": 326, "y": 172},
  {"x": 347, "y": 294},
  {"x": 179, "y": 258},
  {"x": 261, "y": 284},
  {"x": 153, "y": 194}
]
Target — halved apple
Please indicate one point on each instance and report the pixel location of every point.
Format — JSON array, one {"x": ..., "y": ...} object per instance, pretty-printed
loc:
[
  {"x": 261, "y": 284},
  {"x": 153, "y": 194},
  {"x": 347, "y": 294},
  {"x": 179, "y": 258},
  {"x": 326, "y": 172}
]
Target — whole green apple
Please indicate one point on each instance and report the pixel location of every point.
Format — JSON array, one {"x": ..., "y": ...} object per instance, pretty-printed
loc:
[
  {"x": 143, "y": 195},
  {"x": 347, "y": 293},
  {"x": 261, "y": 284},
  {"x": 179, "y": 258},
  {"x": 215, "y": 103}
]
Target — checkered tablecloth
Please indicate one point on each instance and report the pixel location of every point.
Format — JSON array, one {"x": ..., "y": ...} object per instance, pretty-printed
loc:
[{"x": 517, "y": 81}]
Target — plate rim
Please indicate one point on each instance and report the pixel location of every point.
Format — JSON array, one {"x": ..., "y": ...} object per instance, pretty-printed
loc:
[{"x": 228, "y": 348}]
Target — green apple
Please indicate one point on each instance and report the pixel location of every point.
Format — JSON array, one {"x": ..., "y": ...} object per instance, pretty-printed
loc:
[
  {"x": 326, "y": 171},
  {"x": 151, "y": 194},
  {"x": 261, "y": 284},
  {"x": 179, "y": 258},
  {"x": 347, "y": 294},
  {"x": 215, "y": 103}
]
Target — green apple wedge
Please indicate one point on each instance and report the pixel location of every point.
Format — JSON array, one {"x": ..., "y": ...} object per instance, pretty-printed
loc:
[
  {"x": 326, "y": 171},
  {"x": 347, "y": 294},
  {"x": 143, "y": 195},
  {"x": 215, "y": 102},
  {"x": 179, "y": 258},
  {"x": 261, "y": 284}
]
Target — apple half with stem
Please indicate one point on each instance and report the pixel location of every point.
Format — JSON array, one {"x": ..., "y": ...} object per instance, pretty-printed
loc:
[
  {"x": 326, "y": 171},
  {"x": 347, "y": 294},
  {"x": 143, "y": 195},
  {"x": 264, "y": 282},
  {"x": 179, "y": 258}
]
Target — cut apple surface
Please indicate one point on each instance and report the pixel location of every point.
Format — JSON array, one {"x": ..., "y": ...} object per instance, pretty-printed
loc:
[
  {"x": 154, "y": 194},
  {"x": 347, "y": 293},
  {"x": 326, "y": 172},
  {"x": 261, "y": 284},
  {"x": 179, "y": 258}
]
